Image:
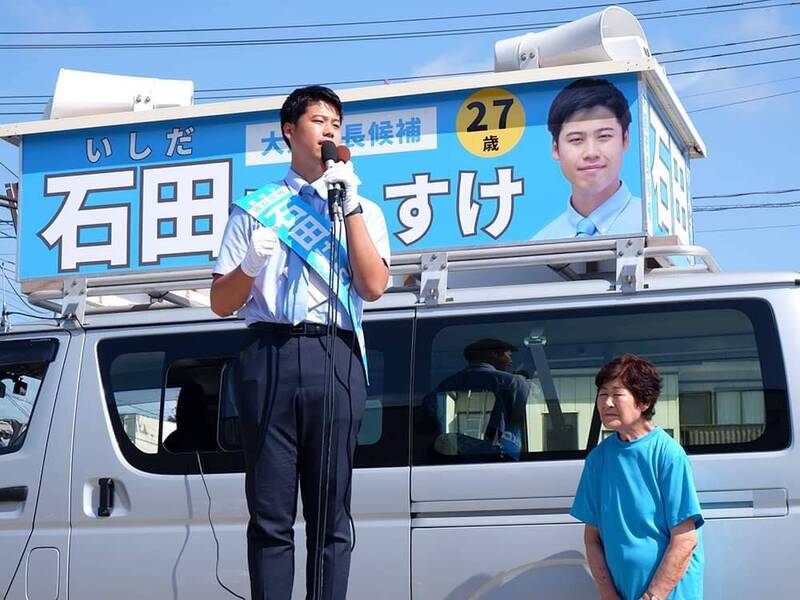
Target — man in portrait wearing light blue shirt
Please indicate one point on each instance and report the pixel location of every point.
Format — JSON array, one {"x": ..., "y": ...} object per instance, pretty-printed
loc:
[
  {"x": 301, "y": 373},
  {"x": 589, "y": 122}
]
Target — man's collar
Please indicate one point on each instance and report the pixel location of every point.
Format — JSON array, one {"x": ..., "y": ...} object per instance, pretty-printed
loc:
[
  {"x": 295, "y": 182},
  {"x": 604, "y": 215},
  {"x": 482, "y": 366}
]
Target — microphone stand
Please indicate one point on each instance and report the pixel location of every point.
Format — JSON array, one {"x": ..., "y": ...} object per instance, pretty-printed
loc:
[{"x": 335, "y": 198}]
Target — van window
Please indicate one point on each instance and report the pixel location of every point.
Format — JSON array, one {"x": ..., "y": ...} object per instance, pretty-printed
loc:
[
  {"x": 520, "y": 386},
  {"x": 23, "y": 364},
  {"x": 171, "y": 395}
]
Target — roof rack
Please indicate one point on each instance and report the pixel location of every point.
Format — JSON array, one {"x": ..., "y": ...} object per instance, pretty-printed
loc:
[{"x": 624, "y": 262}]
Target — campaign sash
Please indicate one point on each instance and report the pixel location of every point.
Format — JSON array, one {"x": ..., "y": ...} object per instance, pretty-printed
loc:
[{"x": 306, "y": 233}]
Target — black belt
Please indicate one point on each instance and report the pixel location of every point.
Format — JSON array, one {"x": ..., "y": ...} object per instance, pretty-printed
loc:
[{"x": 301, "y": 329}]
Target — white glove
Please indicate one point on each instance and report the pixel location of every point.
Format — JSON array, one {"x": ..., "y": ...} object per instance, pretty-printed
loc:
[
  {"x": 263, "y": 244},
  {"x": 343, "y": 173}
]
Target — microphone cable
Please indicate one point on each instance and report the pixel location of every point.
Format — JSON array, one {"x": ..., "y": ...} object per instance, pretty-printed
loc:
[
  {"x": 334, "y": 281},
  {"x": 213, "y": 530},
  {"x": 350, "y": 450}
]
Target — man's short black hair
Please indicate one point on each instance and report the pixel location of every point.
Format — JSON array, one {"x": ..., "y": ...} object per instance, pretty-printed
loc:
[
  {"x": 298, "y": 101},
  {"x": 584, "y": 94},
  {"x": 478, "y": 351}
]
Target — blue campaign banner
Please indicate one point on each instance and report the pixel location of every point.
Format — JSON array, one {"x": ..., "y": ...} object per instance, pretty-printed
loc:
[{"x": 462, "y": 168}]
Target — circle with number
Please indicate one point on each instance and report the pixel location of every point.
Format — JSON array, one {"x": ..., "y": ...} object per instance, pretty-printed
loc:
[{"x": 490, "y": 122}]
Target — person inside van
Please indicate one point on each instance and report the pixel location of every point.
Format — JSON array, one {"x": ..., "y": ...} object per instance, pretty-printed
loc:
[
  {"x": 486, "y": 390},
  {"x": 589, "y": 122},
  {"x": 637, "y": 496},
  {"x": 193, "y": 431}
]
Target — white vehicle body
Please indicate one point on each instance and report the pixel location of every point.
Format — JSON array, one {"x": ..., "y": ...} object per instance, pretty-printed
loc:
[{"x": 428, "y": 525}]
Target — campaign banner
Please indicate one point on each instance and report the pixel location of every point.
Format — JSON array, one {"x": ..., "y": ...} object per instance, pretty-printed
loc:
[
  {"x": 667, "y": 199},
  {"x": 527, "y": 162}
]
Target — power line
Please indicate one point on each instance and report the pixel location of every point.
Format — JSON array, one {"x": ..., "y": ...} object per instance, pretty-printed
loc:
[
  {"x": 736, "y": 52},
  {"x": 683, "y": 12},
  {"x": 727, "y": 44},
  {"x": 331, "y": 83},
  {"x": 740, "y": 194},
  {"x": 739, "y": 87},
  {"x": 727, "y": 104},
  {"x": 13, "y": 289},
  {"x": 728, "y": 67},
  {"x": 722, "y": 207},
  {"x": 2, "y": 164},
  {"x": 275, "y": 87},
  {"x": 747, "y": 228},
  {"x": 327, "y": 24}
]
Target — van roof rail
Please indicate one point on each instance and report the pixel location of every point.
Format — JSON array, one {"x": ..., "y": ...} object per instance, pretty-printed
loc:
[{"x": 624, "y": 261}]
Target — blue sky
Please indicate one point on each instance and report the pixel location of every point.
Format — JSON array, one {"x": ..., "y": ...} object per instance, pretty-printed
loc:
[{"x": 751, "y": 146}]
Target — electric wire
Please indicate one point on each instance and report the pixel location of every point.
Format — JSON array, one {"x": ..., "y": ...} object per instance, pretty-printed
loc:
[
  {"x": 213, "y": 530},
  {"x": 13, "y": 289},
  {"x": 727, "y": 44},
  {"x": 740, "y": 194},
  {"x": 32, "y": 316},
  {"x": 729, "y": 67},
  {"x": 739, "y": 87},
  {"x": 327, "y": 24},
  {"x": 683, "y": 12},
  {"x": 2, "y": 164},
  {"x": 723, "y": 207},
  {"x": 747, "y": 228},
  {"x": 734, "y": 53},
  {"x": 746, "y": 101},
  {"x": 400, "y": 78}
]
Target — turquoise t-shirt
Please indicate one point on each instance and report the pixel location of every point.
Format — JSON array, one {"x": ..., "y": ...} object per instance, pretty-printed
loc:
[{"x": 634, "y": 493}]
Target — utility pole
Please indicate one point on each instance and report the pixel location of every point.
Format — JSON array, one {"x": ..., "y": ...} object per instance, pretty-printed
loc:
[{"x": 11, "y": 202}]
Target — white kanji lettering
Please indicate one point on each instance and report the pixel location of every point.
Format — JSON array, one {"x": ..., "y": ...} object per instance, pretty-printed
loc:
[
  {"x": 415, "y": 212},
  {"x": 73, "y": 220},
  {"x": 133, "y": 152},
  {"x": 308, "y": 232},
  {"x": 286, "y": 215},
  {"x": 468, "y": 210},
  {"x": 191, "y": 201},
  {"x": 504, "y": 190},
  {"x": 177, "y": 138},
  {"x": 259, "y": 204}
]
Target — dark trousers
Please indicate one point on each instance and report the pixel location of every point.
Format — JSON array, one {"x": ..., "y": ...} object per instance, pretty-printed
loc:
[{"x": 281, "y": 387}]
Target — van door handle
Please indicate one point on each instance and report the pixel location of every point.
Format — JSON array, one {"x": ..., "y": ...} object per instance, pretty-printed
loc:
[
  {"x": 106, "y": 497},
  {"x": 17, "y": 493}
]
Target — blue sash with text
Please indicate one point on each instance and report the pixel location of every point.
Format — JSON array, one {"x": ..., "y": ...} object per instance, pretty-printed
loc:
[{"x": 306, "y": 233}]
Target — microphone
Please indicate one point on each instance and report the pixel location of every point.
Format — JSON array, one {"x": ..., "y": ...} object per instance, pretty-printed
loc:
[{"x": 331, "y": 153}]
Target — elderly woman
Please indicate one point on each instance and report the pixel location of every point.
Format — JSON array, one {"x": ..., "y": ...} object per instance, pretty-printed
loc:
[{"x": 637, "y": 496}]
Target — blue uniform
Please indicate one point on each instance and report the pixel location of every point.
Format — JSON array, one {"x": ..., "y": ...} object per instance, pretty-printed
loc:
[
  {"x": 621, "y": 213},
  {"x": 634, "y": 493}
]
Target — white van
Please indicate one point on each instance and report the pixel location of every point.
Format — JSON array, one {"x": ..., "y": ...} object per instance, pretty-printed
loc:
[{"x": 97, "y": 502}]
